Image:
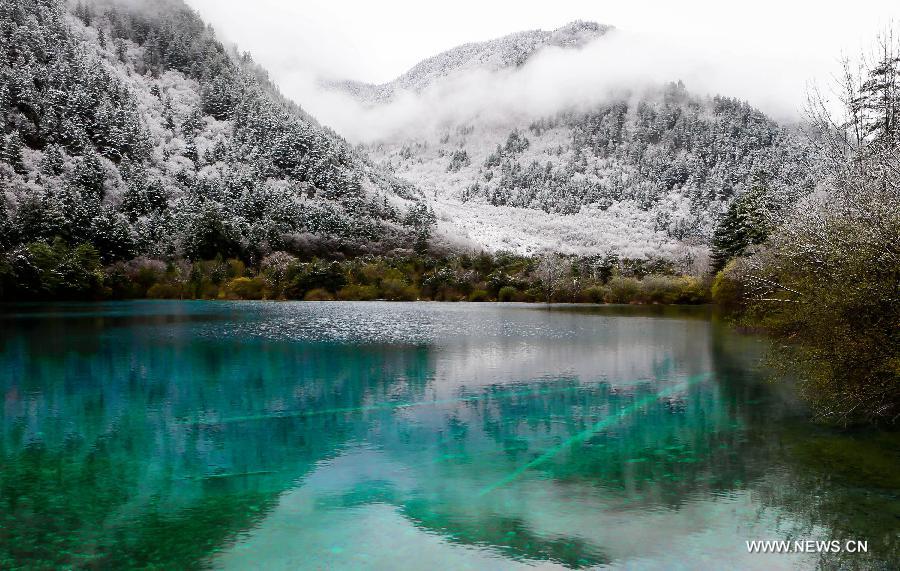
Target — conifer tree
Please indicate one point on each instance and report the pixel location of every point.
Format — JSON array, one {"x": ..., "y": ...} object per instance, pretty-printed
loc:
[
  {"x": 745, "y": 223},
  {"x": 12, "y": 152}
]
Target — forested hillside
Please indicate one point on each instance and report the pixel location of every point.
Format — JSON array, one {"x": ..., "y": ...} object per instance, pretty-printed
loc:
[
  {"x": 643, "y": 170},
  {"x": 130, "y": 128},
  {"x": 667, "y": 146}
]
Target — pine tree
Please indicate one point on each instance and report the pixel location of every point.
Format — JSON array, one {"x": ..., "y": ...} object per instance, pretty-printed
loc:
[
  {"x": 89, "y": 176},
  {"x": 12, "y": 152},
  {"x": 52, "y": 163},
  {"x": 877, "y": 104},
  {"x": 745, "y": 223},
  {"x": 6, "y": 229}
]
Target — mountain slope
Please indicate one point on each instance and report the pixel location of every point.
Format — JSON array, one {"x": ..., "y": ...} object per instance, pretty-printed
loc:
[
  {"x": 644, "y": 171},
  {"x": 511, "y": 51},
  {"x": 131, "y": 127}
]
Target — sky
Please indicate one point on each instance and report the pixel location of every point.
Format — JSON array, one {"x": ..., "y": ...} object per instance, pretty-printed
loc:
[{"x": 766, "y": 51}]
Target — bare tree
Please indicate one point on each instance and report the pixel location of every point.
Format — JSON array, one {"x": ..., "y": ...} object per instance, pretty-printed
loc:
[
  {"x": 829, "y": 276},
  {"x": 552, "y": 272}
]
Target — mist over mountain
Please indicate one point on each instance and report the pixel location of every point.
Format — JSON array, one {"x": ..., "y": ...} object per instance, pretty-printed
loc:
[
  {"x": 537, "y": 141},
  {"x": 511, "y": 51}
]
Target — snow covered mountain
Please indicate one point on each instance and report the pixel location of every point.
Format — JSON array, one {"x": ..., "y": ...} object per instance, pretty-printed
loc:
[
  {"x": 641, "y": 171},
  {"x": 128, "y": 125},
  {"x": 507, "y": 52}
]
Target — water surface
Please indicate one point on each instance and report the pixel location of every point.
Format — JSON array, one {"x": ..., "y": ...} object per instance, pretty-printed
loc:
[{"x": 406, "y": 436}]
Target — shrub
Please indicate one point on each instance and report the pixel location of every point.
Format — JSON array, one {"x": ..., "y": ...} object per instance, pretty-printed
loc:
[
  {"x": 303, "y": 278},
  {"x": 318, "y": 294},
  {"x": 275, "y": 268},
  {"x": 691, "y": 290},
  {"x": 479, "y": 295},
  {"x": 595, "y": 294},
  {"x": 397, "y": 290},
  {"x": 728, "y": 291},
  {"x": 672, "y": 289},
  {"x": 623, "y": 290},
  {"x": 356, "y": 292},
  {"x": 246, "y": 288},
  {"x": 507, "y": 293},
  {"x": 658, "y": 289},
  {"x": 165, "y": 291}
]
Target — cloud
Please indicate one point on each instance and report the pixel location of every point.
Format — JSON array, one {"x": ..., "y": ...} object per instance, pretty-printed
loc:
[{"x": 553, "y": 80}]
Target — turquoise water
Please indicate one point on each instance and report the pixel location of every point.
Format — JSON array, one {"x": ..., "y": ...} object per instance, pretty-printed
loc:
[{"x": 179, "y": 435}]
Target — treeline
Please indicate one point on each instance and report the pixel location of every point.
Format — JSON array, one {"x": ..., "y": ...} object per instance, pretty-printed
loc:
[
  {"x": 824, "y": 278},
  {"x": 56, "y": 271}
]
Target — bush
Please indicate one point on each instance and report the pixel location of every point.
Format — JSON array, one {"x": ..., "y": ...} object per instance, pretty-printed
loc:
[
  {"x": 692, "y": 290},
  {"x": 595, "y": 294},
  {"x": 302, "y": 278},
  {"x": 397, "y": 290},
  {"x": 479, "y": 295},
  {"x": 318, "y": 294},
  {"x": 728, "y": 291},
  {"x": 246, "y": 288},
  {"x": 355, "y": 292},
  {"x": 507, "y": 293},
  {"x": 658, "y": 289},
  {"x": 671, "y": 289},
  {"x": 53, "y": 271},
  {"x": 623, "y": 290},
  {"x": 165, "y": 291}
]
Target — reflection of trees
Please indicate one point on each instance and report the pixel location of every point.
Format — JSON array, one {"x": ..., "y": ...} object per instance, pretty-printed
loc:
[
  {"x": 123, "y": 449},
  {"x": 843, "y": 482},
  {"x": 103, "y": 464}
]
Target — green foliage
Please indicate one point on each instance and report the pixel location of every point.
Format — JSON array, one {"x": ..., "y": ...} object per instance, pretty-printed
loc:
[
  {"x": 35, "y": 273},
  {"x": 507, "y": 293},
  {"x": 52, "y": 271},
  {"x": 746, "y": 223},
  {"x": 727, "y": 289},
  {"x": 316, "y": 275},
  {"x": 166, "y": 291},
  {"x": 479, "y": 295},
  {"x": 356, "y": 292},
  {"x": 671, "y": 290},
  {"x": 827, "y": 281},
  {"x": 246, "y": 288},
  {"x": 596, "y": 294},
  {"x": 318, "y": 294},
  {"x": 623, "y": 290}
]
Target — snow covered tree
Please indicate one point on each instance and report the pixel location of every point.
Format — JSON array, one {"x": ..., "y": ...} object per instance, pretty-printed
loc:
[
  {"x": 12, "y": 152},
  {"x": 827, "y": 278}
]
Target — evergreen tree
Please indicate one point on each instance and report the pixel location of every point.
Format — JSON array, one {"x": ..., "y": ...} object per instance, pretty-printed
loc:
[
  {"x": 746, "y": 222},
  {"x": 12, "y": 152},
  {"x": 89, "y": 177},
  {"x": 6, "y": 230},
  {"x": 877, "y": 103},
  {"x": 52, "y": 163}
]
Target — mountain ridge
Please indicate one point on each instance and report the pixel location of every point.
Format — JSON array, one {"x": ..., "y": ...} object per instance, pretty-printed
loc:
[{"x": 511, "y": 50}]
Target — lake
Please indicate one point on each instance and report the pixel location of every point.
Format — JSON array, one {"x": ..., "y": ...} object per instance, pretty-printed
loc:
[{"x": 253, "y": 435}]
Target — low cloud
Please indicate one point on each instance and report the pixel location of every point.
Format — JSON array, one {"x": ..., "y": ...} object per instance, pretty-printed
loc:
[{"x": 554, "y": 80}]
